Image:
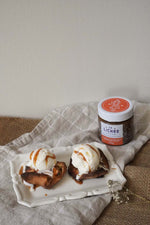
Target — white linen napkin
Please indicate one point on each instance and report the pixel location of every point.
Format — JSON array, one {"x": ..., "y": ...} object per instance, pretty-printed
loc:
[{"x": 66, "y": 126}]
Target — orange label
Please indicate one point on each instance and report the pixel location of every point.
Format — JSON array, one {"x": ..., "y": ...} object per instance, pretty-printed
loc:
[
  {"x": 111, "y": 141},
  {"x": 115, "y": 105}
]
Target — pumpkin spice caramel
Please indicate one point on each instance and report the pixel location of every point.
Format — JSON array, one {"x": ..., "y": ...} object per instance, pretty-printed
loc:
[{"x": 115, "y": 116}]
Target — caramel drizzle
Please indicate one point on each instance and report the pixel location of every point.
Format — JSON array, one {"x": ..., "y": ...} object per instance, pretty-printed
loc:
[
  {"x": 78, "y": 181},
  {"x": 93, "y": 149},
  {"x": 21, "y": 170},
  {"x": 35, "y": 156},
  {"x": 48, "y": 156},
  {"x": 31, "y": 155},
  {"x": 79, "y": 153}
]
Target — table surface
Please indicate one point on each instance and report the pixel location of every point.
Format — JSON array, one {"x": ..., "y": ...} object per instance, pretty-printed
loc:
[{"x": 137, "y": 172}]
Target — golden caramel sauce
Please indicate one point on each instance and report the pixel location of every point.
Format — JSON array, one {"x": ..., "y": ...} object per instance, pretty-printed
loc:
[
  {"x": 78, "y": 181},
  {"x": 93, "y": 149},
  {"x": 79, "y": 153},
  {"x": 21, "y": 170},
  {"x": 34, "y": 187},
  {"x": 35, "y": 156},
  {"x": 31, "y": 155},
  {"x": 48, "y": 156}
]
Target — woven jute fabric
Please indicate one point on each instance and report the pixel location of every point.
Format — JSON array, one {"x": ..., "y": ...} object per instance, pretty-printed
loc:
[
  {"x": 139, "y": 181},
  {"x": 13, "y": 127},
  {"x": 137, "y": 210}
]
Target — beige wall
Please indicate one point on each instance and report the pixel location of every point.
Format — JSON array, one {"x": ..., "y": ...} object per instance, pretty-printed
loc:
[{"x": 65, "y": 51}]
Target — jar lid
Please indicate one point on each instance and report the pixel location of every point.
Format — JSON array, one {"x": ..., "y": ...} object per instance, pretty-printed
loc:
[{"x": 115, "y": 109}]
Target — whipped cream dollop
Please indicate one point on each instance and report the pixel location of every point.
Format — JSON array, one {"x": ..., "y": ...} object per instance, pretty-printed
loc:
[
  {"x": 86, "y": 158},
  {"x": 42, "y": 159}
]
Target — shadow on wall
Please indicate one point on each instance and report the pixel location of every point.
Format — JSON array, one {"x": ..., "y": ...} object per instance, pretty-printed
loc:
[{"x": 131, "y": 93}]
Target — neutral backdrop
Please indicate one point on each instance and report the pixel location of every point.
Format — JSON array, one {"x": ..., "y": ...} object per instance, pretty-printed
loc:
[{"x": 58, "y": 52}]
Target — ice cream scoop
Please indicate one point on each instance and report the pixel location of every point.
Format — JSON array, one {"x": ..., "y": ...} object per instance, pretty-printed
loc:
[
  {"x": 42, "y": 169},
  {"x": 86, "y": 158},
  {"x": 42, "y": 159}
]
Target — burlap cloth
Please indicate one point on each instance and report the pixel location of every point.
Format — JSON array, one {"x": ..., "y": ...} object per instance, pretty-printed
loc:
[{"x": 136, "y": 211}]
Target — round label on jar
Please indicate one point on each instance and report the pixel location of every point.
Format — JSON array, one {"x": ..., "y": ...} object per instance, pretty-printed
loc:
[{"x": 115, "y": 105}]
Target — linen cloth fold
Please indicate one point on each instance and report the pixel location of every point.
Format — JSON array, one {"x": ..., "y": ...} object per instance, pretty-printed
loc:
[{"x": 65, "y": 126}]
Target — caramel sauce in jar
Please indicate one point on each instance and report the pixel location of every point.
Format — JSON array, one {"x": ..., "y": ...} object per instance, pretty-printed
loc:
[{"x": 115, "y": 118}]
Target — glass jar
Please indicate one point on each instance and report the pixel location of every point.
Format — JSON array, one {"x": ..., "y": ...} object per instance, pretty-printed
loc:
[{"x": 115, "y": 116}]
